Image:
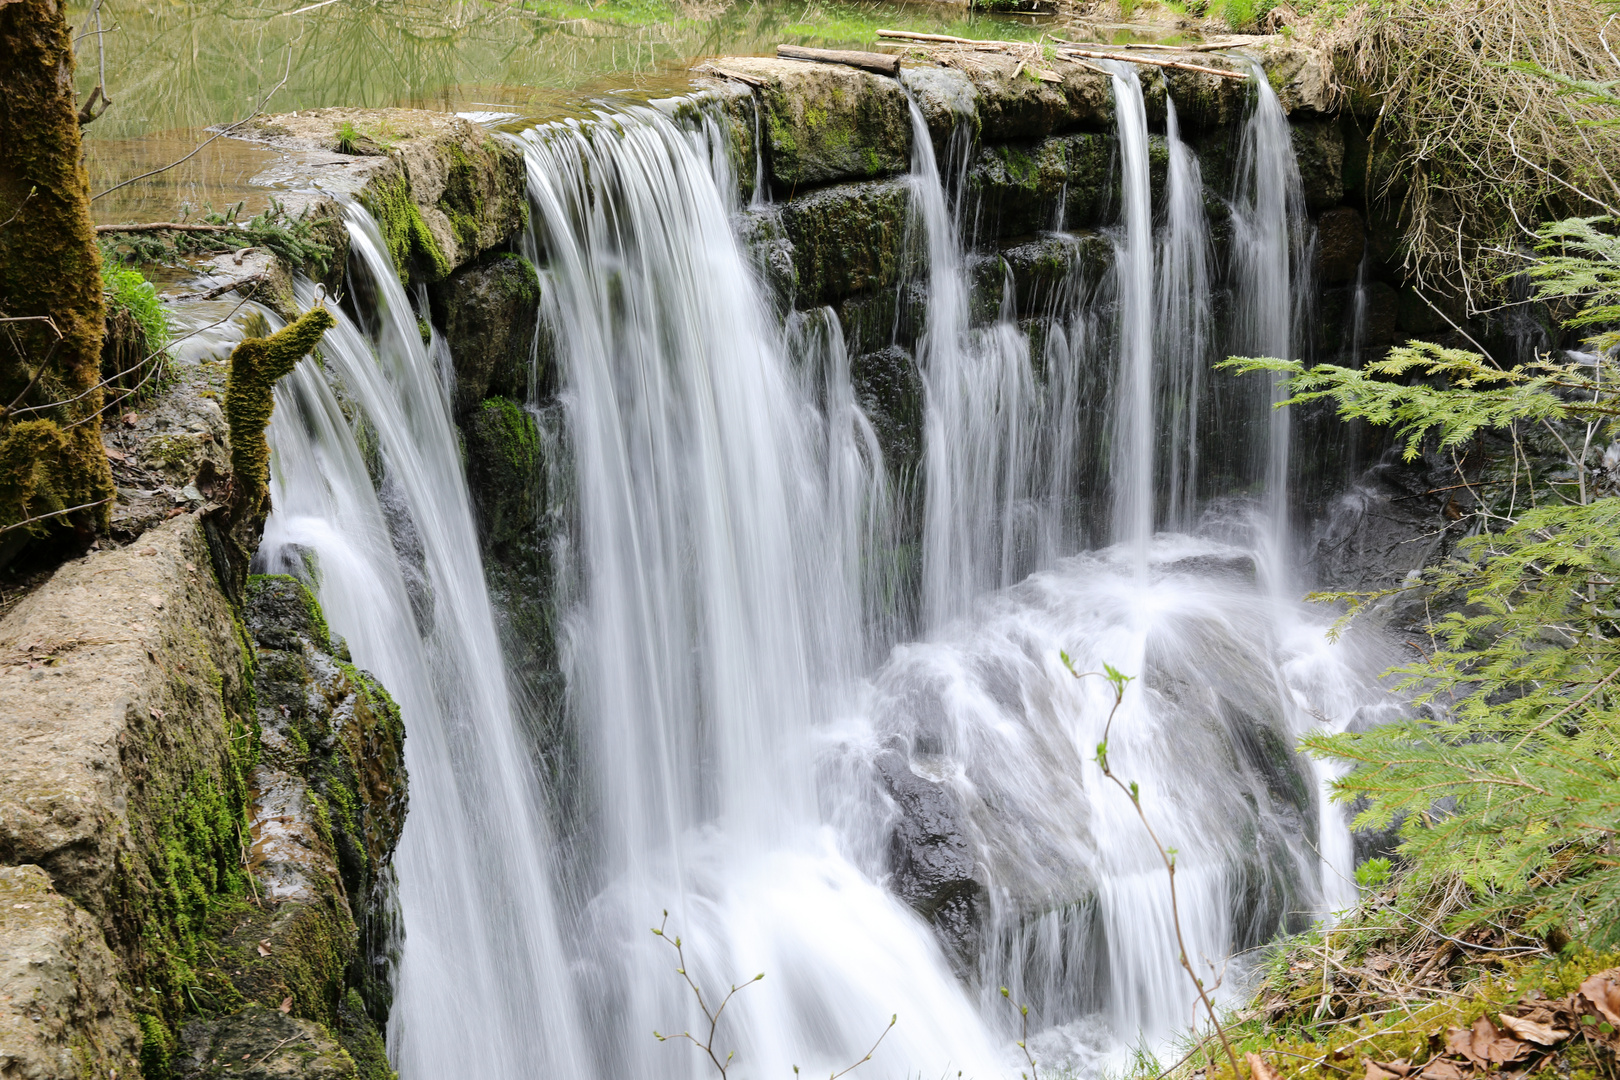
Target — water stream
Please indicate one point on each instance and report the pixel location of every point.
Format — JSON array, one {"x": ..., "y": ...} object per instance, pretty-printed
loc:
[{"x": 754, "y": 729}]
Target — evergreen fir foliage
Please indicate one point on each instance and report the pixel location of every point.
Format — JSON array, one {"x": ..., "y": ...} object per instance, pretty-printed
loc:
[{"x": 1506, "y": 772}]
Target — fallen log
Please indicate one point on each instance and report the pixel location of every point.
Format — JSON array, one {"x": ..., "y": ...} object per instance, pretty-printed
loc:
[
  {"x": 881, "y": 63},
  {"x": 1068, "y": 53},
  {"x": 946, "y": 39},
  {"x": 727, "y": 73},
  {"x": 167, "y": 226},
  {"x": 1064, "y": 51}
]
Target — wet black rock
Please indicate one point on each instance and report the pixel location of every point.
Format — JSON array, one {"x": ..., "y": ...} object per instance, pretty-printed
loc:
[
  {"x": 932, "y": 865},
  {"x": 489, "y": 313}
]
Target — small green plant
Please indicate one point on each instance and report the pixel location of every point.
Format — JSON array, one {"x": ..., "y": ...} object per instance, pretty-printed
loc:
[
  {"x": 1239, "y": 14},
  {"x": 348, "y": 139},
  {"x": 134, "y": 354},
  {"x": 1023, "y": 1036},
  {"x": 1373, "y": 874},
  {"x": 713, "y": 1015}
]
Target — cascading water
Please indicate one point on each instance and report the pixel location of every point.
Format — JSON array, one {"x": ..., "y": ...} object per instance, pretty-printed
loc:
[
  {"x": 1132, "y": 461},
  {"x": 480, "y": 990},
  {"x": 719, "y": 626},
  {"x": 979, "y": 396},
  {"x": 741, "y": 763},
  {"x": 1185, "y": 322},
  {"x": 1271, "y": 248}
]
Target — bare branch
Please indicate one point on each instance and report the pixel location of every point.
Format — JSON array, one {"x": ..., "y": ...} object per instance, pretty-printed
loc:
[{"x": 221, "y": 132}]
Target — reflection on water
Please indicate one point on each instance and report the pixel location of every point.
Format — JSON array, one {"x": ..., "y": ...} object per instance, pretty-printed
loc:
[{"x": 174, "y": 68}]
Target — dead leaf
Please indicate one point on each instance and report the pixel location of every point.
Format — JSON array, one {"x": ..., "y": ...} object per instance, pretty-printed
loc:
[
  {"x": 1530, "y": 1031},
  {"x": 1258, "y": 1067},
  {"x": 115, "y": 455},
  {"x": 1441, "y": 1069},
  {"x": 1604, "y": 994},
  {"x": 157, "y": 713},
  {"x": 264, "y": 947},
  {"x": 286, "y": 1004},
  {"x": 1048, "y": 76},
  {"x": 1484, "y": 1045},
  {"x": 1381, "y": 964},
  {"x": 1398, "y": 1067},
  {"x": 1378, "y": 1072}
]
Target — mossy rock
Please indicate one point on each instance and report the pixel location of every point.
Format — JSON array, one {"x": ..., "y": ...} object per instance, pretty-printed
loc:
[
  {"x": 1055, "y": 183},
  {"x": 824, "y": 123},
  {"x": 847, "y": 239},
  {"x": 1047, "y": 271},
  {"x": 889, "y": 387},
  {"x": 260, "y": 1043},
  {"x": 490, "y": 315}
]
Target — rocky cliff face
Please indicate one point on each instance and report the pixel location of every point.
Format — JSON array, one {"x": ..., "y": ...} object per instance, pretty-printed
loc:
[{"x": 196, "y": 820}]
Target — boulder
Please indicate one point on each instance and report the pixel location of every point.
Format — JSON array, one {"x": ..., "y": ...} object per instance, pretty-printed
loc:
[
  {"x": 443, "y": 190},
  {"x": 124, "y": 758},
  {"x": 490, "y": 314},
  {"x": 827, "y": 122},
  {"x": 845, "y": 240},
  {"x": 932, "y": 865},
  {"x": 1014, "y": 104},
  {"x": 948, "y": 101},
  {"x": 296, "y": 972},
  {"x": 260, "y": 1043},
  {"x": 62, "y": 1012}
]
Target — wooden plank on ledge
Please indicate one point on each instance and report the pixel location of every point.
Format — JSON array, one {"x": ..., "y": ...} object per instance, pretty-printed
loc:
[{"x": 881, "y": 63}]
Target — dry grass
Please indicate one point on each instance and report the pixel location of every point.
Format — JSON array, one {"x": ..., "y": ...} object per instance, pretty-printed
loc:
[{"x": 1472, "y": 146}]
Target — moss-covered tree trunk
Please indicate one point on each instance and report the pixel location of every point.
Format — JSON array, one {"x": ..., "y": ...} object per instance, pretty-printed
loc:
[{"x": 51, "y": 457}]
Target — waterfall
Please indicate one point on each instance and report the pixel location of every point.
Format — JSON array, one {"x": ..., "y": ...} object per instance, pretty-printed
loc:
[
  {"x": 480, "y": 989},
  {"x": 754, "y": 748},
  {"x": 1271, "y": 248},
  {"x": 1185, "y": 322},
  {"x": 1132, "y": 458},
  {"x": 724, "y": 500},
  {"x": 979, "y": 395}
]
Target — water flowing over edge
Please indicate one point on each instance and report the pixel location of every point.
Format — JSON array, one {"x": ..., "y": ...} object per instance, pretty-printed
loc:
[{"x": 732, "y": 776}]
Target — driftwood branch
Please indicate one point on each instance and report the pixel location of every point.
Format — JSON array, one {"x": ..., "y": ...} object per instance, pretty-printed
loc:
[
  {"x": 946, "y": 39},
  {"x": 166, "y": 226},
  {"x": 881, "y": 63},
  {"x": 1064, "y": 52},
  {"x": 228, "y": 129},
  {"x": 1179, "y": 65},
  {"x": 736, "y": 76},
  {"x": 251, "y": 281}
]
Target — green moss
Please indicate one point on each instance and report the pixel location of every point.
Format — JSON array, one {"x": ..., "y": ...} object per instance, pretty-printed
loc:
[
  {"x": 512, "y": 430},
  {"x": 320, "y": 632},
  {"x": 157, "y": 1047},
  {"x": 50, "y": 269},
  {"x": 360, "y": 1037},
  {"x": 463, "y": 198},
  {"x": 135, "y": 362},
  {"x": 404, "y": 231},
  {"x": 173, "y": 451},
  {"x": 256, "y": 364}
]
